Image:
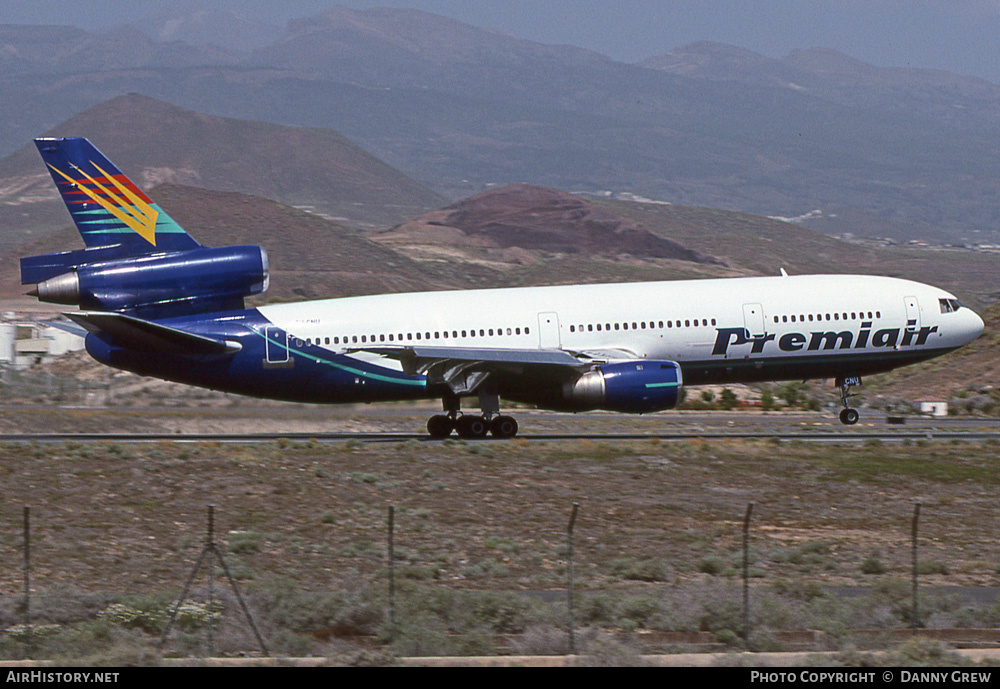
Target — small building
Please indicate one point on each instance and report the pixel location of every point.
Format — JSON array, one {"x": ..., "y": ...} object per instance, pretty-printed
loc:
[
  {"x": 23, "y": 344},
  {"x": 933, "y": 408}
]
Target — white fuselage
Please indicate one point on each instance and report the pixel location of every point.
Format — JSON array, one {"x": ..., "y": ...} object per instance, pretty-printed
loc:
[{"x": 696, "y": 323}]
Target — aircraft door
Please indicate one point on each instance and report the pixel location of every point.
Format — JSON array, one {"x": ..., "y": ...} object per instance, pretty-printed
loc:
[
  {"x": 912, "y": 312},
  {"x": 548, "y": 330},
  {"x": 753, "y": 319},
  {"x": 276, "y": 345}
]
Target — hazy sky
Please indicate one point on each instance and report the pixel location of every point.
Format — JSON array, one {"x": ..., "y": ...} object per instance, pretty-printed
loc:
[{"x": 961, "y": 36}]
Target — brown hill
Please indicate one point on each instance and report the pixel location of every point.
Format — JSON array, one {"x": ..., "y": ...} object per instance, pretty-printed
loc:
[
  {"x": 155, "y": 142},
  {"x": 520, "y": 223}
]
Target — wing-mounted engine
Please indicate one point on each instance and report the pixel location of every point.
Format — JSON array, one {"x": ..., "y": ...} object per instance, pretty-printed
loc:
[
  {"x": 151, "y": 285},
  {"x": 635, "y": 387}
]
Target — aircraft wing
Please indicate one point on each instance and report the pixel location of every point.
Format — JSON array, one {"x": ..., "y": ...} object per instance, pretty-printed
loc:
[
  {"x": 463, "y": 369},
  {"x": 136, "y": 333}
]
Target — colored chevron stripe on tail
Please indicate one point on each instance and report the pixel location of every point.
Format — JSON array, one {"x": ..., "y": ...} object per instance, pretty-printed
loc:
[{"x": 106, "y": 206}]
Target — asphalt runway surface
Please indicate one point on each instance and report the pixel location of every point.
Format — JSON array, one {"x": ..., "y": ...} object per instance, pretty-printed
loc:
[{"x": 395, "y": 423}]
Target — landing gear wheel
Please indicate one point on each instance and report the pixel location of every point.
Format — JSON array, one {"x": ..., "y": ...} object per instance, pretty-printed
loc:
[
  {"x": 440, "y": 426},
  {"x": 503, "y": 427},
  {"x": 849, "y": 416},
  {"x": 472, "y": 427}
]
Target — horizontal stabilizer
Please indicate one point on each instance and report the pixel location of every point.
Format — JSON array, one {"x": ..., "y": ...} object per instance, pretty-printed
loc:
[
  {"x": 70, "y": 328},
  {"x": 135, "y": 333}
]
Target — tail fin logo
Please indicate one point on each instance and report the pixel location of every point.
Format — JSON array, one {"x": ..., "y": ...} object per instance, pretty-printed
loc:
[{"x": 125, "y": 205}]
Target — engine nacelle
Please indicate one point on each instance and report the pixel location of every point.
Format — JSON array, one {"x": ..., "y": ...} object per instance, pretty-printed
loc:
[
  {"x": 202, "y": 279},
  {"x": 635, "y": 387}
]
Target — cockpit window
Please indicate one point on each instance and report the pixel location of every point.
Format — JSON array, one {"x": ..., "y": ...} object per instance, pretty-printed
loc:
[{"x": 949, "y": 305}]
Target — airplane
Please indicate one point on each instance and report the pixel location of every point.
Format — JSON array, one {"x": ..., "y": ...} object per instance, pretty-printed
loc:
[{"x": 156, "y": 302}]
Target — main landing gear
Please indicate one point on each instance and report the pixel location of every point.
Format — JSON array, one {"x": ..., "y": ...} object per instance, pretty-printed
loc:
[
  {"x": 848, "y": 416},
  {"x": 472, "y": 426}
]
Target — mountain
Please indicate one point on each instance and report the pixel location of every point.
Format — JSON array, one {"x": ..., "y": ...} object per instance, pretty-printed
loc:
[
  {"x": 885, "y": 152},
  {"x": 385, "y": 47},
  {"x": 155, "y": 142},
  {"x": 196, "y": 24}
]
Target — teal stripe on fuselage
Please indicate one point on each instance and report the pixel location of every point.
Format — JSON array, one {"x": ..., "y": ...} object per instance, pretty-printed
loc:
[{"x": 349, "y": 369}]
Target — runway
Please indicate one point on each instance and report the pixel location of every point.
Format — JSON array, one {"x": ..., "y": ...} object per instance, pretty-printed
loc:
[{"x": 407, "y": 423}]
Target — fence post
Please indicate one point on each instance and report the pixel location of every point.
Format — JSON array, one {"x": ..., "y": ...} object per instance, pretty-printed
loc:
[
  {"x": 27, "y": 580},
  {"x": 915, "y": 622},
  {"x": 569, "y": 532},
  {"x": 210, "y": 543},
  {"x": 392, "y": 577},
  {"x": 746, "y": 575},
  {"x": 212, "y": 549}
]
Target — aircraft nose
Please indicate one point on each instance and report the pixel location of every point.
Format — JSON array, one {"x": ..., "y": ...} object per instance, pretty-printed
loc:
[{"x": 975, "y": 325}]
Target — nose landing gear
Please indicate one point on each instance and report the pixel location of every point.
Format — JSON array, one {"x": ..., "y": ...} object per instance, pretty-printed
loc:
[{"x": 848, "y": 416}]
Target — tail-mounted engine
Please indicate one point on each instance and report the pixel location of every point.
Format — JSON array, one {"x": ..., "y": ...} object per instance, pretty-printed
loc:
[{"x": 152, "y": 285}]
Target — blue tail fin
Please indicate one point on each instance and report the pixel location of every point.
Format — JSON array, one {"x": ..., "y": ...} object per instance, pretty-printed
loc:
[{"x": 107, "y": 207}]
